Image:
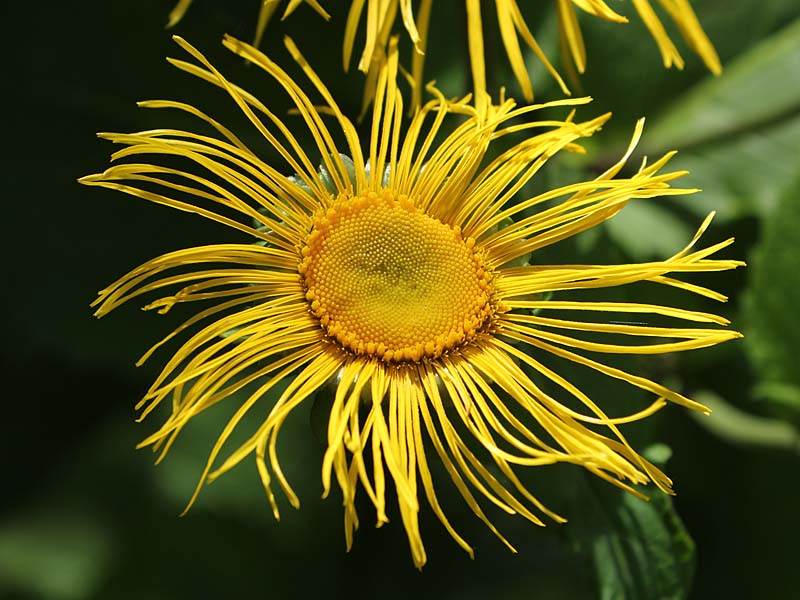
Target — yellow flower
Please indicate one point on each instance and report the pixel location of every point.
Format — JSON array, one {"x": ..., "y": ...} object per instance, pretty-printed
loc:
[
  {"x": 513, "y": 26},
  {"x": 268, "y": 7},
  {"x": 400, "y": 277}
]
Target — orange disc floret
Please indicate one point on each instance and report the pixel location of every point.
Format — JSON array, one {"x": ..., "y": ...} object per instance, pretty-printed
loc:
[{"x": 385, "y": 279}]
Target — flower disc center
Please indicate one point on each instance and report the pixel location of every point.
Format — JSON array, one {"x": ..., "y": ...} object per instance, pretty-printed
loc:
[{"x": 385, "y": 279}]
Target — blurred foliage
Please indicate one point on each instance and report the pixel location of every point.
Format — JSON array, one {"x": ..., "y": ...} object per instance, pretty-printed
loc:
[
  {"x": 85, "y": 517},
  {"x": 773, "y": 293},
  {"x": 638, "y": 549}
]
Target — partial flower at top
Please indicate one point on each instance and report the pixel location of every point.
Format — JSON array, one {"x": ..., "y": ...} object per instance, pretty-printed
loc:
[
  {"x": 513, "y": 27},
  {"x": 268, "y": 7},
  {"x": 380, "y": 16},
  {"x": 402, "y": 280}
]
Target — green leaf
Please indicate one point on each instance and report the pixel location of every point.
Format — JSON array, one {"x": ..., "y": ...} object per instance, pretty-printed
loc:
[
  {"x": 772, "y": 327},
  {"x": 639, "y": 548},
  {"x": 647, "y": 229},
  {"x": 755, "y": 89},
  {"x": 741, "y": 176},
  {"x": 780, "y": 394},
  {"x": 737, "y": 133},
  {"x": 739, "y": 427}
]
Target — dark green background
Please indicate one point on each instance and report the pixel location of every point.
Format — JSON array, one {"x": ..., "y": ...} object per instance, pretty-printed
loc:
[{"x": 83, "y": 515}]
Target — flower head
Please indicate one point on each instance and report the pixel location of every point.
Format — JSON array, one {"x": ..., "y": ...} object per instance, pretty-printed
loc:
[{"x": 398, "y": 272}]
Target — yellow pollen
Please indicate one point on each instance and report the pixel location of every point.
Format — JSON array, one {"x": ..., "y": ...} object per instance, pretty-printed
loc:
[{"x": 385, "y": 279}]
